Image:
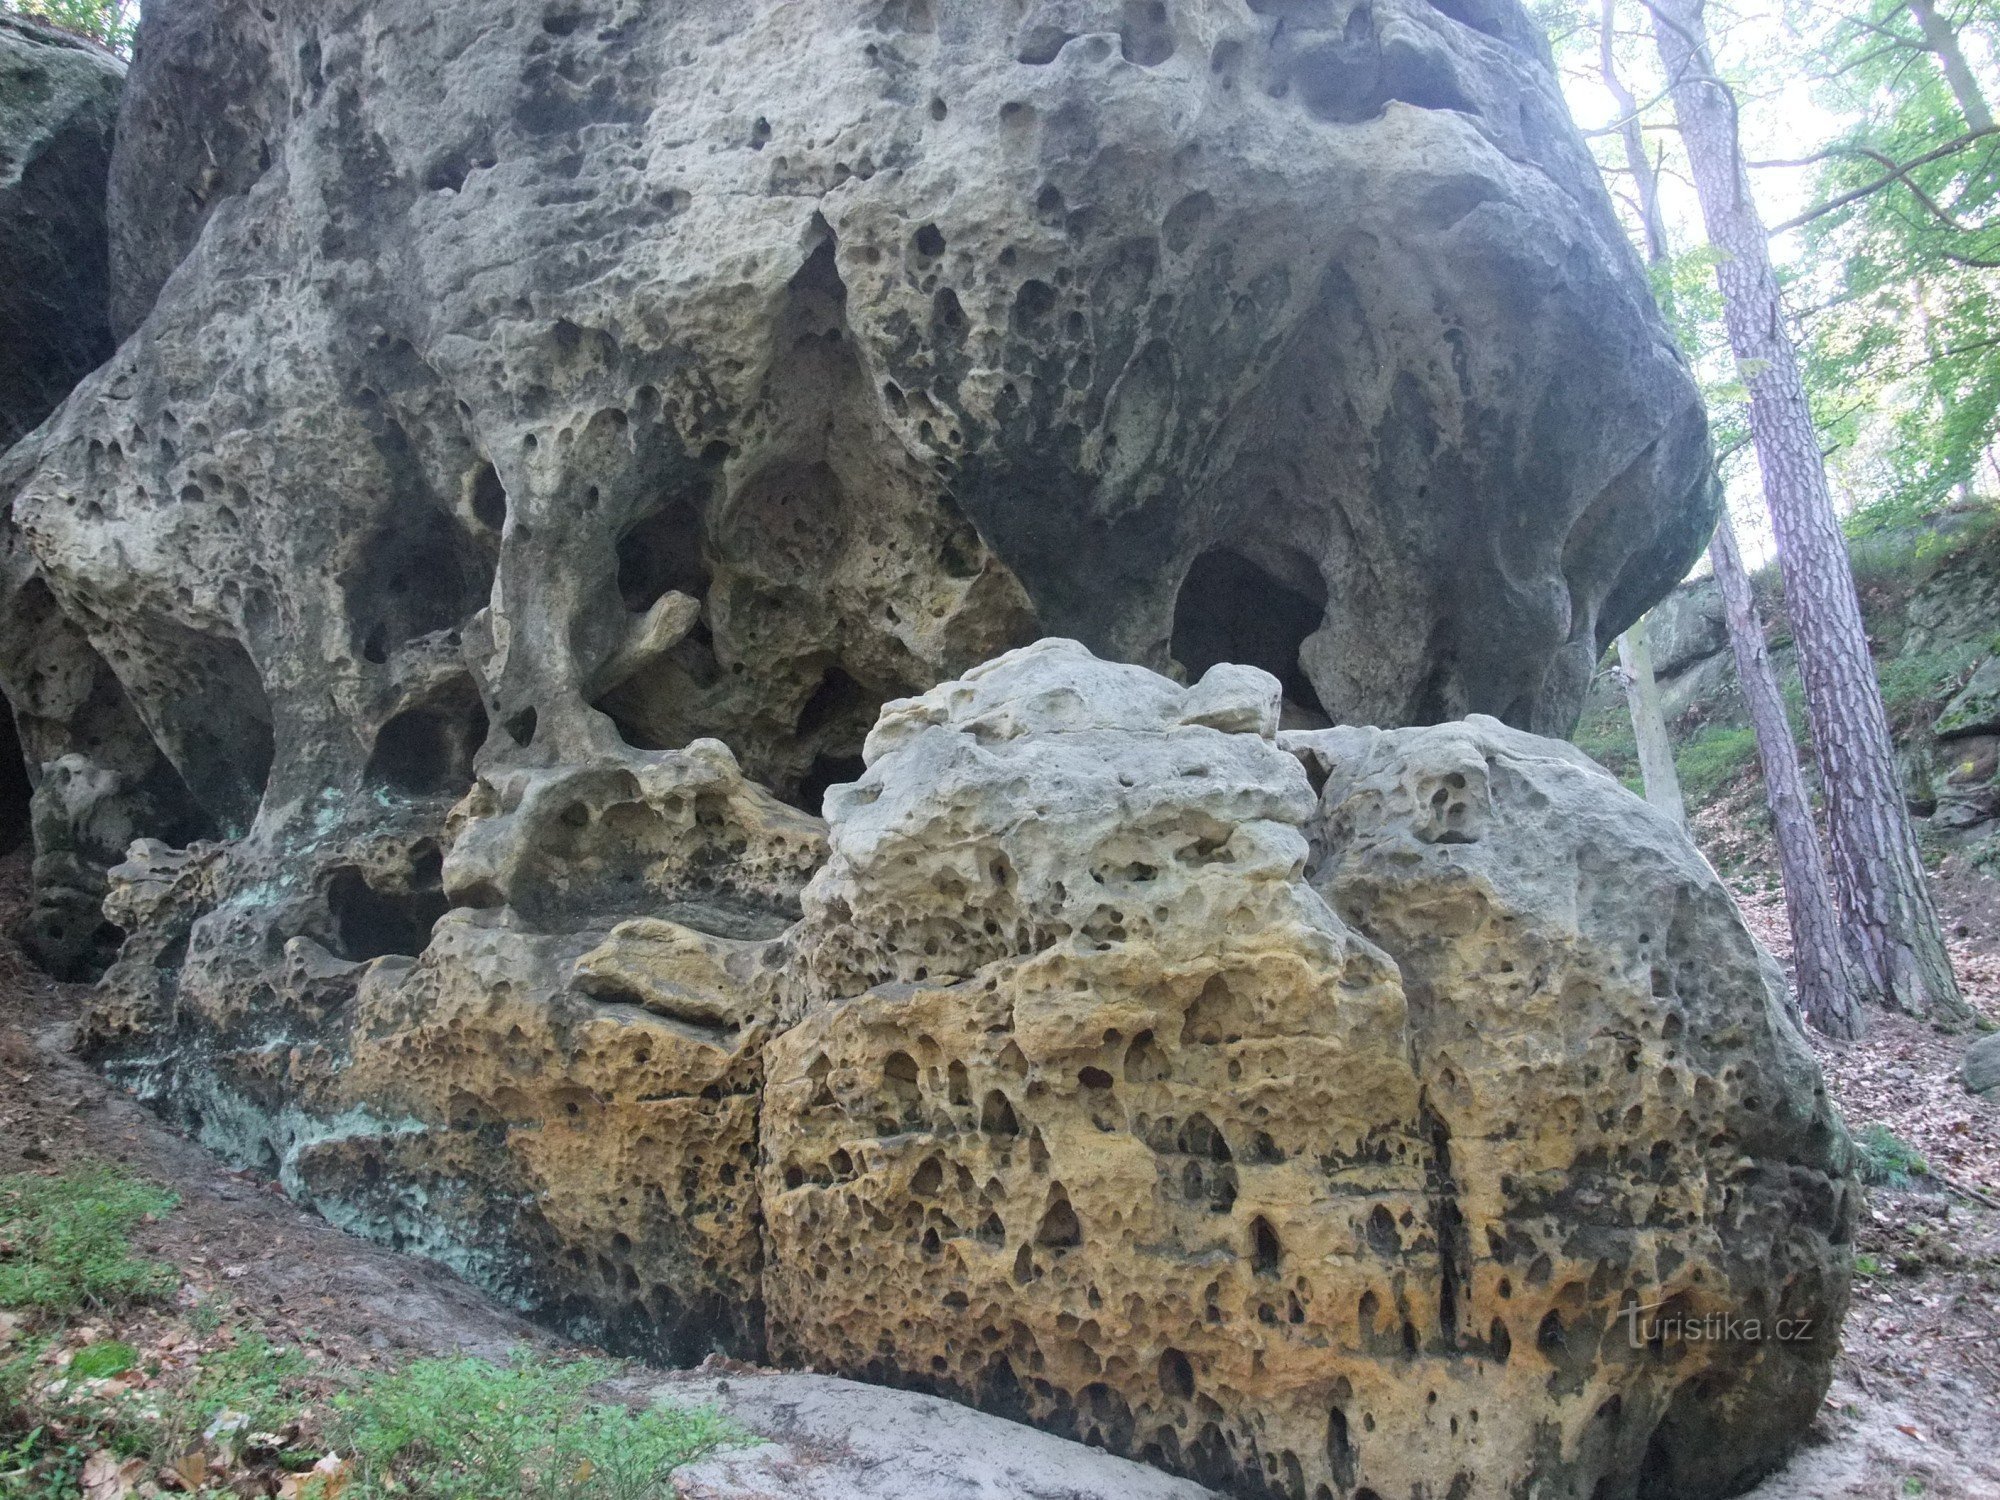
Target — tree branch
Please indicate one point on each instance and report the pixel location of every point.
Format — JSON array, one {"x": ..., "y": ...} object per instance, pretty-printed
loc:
[{"x": 1895, "y": 174}]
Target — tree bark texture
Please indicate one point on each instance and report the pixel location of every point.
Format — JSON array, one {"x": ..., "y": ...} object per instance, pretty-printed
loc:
[
  {"x": 1887, "y": 916},
  {"x": 1825, "y": 996}
]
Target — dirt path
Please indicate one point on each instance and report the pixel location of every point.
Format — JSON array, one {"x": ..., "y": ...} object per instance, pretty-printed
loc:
[{"x": 275, "y": 1263}]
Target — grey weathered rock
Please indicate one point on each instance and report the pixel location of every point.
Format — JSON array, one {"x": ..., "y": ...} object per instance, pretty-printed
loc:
[
  {"x": 201, "y": 121},
  {"x": 58, "y": 103},
  {"x": 1687, "y": 628},
  {"x": 1975, "y": 708},
  {"x": 1981, "y": 1068},
  {"x": 890, "y": 342},
  {"x": 829, "y": 1439},
  {"x": 1177, "y": 351}
]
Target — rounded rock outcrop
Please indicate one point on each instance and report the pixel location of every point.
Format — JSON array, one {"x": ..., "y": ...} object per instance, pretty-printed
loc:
[
  {"x": 58, "y": 102},
  {"x": 1100, "y": 1116}
]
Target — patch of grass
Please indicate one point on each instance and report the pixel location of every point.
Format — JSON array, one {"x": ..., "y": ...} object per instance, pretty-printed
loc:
[
  {"x": 243, "y": 1386},
  {"x": 250, "y": 1381},
  {"x": 445, "y": 1429},
  {"x": 39, "y": 1465},
  {"x": 1867, "y": 1265},
  {"x": 1886, "y": 1160},
  {"x": 1712, "y": 758},
  {"x": 1917, "y": 685},
  {"x": 463, "y": 1429},
  {"x": 101, "y": 1360},
  {"x": 65, "y": 1242}
]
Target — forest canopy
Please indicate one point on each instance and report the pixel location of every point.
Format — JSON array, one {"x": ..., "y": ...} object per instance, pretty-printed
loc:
[{"x": 1871, "y": 146}]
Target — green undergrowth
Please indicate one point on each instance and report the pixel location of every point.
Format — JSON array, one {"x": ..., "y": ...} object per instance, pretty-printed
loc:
[
  {"x": 99, "y": 1373},
  {"x": 65, "y": 1242},
  {"x": 1886, "y": 1159},
  {"x": 1896, "y": 551},
  {"x": 464, "y": 1429},
  {"x": 1713, "y": 758}
]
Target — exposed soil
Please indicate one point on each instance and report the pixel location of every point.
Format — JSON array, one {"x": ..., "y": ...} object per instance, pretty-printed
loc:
[
  {"x": 235, "y": 1237},
  {"x": 1914, "y": 1409},
  {"x": 1915, "y": 1404}
]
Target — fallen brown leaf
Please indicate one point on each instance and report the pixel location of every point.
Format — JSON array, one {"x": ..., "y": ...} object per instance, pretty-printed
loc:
[{"x": 105, "y": 1477}]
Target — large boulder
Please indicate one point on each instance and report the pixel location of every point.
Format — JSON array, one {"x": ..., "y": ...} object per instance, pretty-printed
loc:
[
  {"x": 507, "y": 385},
  {"x": 1351, "y": 1110},
  {"x": 504, "y": 379},
  {"x": 1402, "y": 1140},
  {"x": 892, "y": 340},
  {"x": 58, "y": 103}
]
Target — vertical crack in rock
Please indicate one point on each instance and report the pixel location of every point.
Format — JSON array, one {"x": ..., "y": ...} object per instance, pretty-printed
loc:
[
  {"x": 552, "y": 458},
  {"x": 1096, "y": 1113}
]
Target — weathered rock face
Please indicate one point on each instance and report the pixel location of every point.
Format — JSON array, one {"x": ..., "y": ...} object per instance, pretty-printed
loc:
[
  {"x": 58, "y": 102},
  {"x": 1628, "y": 1115},
  {"x": 1086, "y": 1065},
  {"x": 1100, "y": 1116},
  {"x": 551, "y": 434},
  {"x": 518, "y": 383},
  {"x": 884, "y": 338}
]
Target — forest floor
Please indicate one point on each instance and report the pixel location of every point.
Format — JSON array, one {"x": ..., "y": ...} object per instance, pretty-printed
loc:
[
  {"x": 1914, "y": 1409},
  {"x": 1915, "y": 1404}
]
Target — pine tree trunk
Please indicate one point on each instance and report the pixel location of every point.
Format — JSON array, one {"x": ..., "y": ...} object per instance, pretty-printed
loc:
[
  {"x": 1649, "y": 725},
  {"x": 1825, "y": 995},
  {"x": 1887, "y": 917},
  {"x": 1942, "y": 41}
]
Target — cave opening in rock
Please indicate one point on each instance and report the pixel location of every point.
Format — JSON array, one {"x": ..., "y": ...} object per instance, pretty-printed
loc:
[
  {"x": 1231, "y": 609},
  {"x": 373, "y": 922},
  {"x": 663, "y": 553},
  {"x": 218, "y": 728},
  {"x": 833, "y": 724},
  {"x": 416, "y": 575},
  {"x": 15, "y": 789},
  {"x": 427, "y": 750},
  {"x": 825, "y": 772}
]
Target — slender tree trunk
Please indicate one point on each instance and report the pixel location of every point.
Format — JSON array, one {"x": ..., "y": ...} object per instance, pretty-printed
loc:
[
  {"x": 1645, "y": 177},
  {"x": 1649, "y": 725},
  {"x": 1942, "y": 42},
  {"x": 1887, "y": 916},
  {"x": 1825, "y": 995}
]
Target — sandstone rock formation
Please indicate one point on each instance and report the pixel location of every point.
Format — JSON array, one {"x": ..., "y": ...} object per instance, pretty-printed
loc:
[
  {"x": 58, "y": 101},
  {"x": 498, "y": 378},
  {"x": 548, "y": 437},
  {"x": 887, "y": 339},
  {"x": 1085, "y": 1065},
  {"x": 1100, "y": 1116}
]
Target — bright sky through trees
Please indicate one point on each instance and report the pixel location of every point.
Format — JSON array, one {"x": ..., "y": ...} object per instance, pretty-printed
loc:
[{"x": 1891, "y": 320}]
